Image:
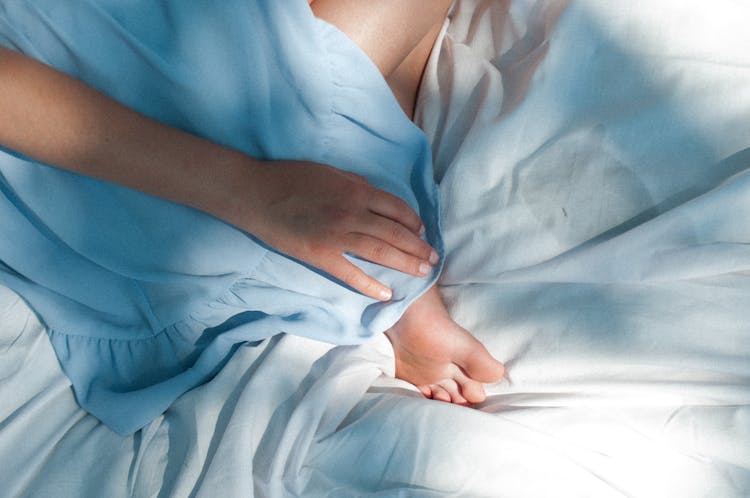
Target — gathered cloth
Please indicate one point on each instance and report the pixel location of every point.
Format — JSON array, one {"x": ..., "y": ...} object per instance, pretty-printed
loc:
[{"x": 145, "y": 299}]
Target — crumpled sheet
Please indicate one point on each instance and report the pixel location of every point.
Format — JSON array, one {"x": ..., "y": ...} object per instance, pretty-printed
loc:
[{"x": 593, "y": 163}]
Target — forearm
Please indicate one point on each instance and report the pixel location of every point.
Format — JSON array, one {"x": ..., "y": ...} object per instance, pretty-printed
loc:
[
  {"x": 311, "y": 212},
  {"x": 56, "y": 119}
]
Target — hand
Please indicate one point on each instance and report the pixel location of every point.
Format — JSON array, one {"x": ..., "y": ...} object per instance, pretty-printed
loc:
[
  {"x": 316, "y": 213},
  {"x": 309, "y": 211}
]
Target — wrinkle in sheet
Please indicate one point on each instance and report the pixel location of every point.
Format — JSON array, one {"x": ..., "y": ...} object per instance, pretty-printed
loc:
[
  {"x": 519, "y": 63},
  {"x": 633, "y": 353}
]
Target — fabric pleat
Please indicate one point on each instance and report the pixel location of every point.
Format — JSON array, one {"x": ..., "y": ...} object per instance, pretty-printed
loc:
[{"x": 145, "y": 299}]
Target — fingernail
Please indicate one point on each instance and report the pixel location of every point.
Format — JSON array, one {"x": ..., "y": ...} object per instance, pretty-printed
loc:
[
  {"x": 434, "y": 257},
  {"x": 424, "y": 268},
  {"x": 386, "y": 294},
  {"x": 422, "y": 230}
]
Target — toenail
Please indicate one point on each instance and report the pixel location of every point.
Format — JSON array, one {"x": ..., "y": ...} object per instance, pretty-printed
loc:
[{"x": 434, "y": 257}]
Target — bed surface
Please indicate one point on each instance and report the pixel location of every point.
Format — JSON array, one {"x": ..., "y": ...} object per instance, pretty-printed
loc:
[{"x": 593, "y": 163}]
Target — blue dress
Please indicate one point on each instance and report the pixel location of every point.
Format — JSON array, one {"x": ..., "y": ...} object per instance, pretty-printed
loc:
[{"x": 145, "y": 299}]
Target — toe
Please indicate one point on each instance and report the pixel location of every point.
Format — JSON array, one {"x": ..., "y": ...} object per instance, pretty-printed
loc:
[
  {"x": 440, "y": 394},
  {"x": 426, "y": 391},
  {"x": 451, "y": 386},
  {"x": 471, "y": 390},
  {"x": 479, "y": 364}
]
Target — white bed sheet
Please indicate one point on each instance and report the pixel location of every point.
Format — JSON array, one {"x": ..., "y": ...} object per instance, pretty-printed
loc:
[{"x": 592, "y": 159}]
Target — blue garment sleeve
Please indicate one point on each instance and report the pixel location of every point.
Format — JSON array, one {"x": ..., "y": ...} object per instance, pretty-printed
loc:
[{"x": 145, "y": 299}]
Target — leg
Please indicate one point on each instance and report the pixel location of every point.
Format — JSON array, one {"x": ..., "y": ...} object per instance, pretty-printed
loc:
[
  {"x": 406, "y": 78},
  {"x": 387, "y": 30},
  {"x": 397, "y": 35}
]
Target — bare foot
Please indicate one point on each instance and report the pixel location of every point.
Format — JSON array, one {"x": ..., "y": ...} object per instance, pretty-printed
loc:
[{"x": 442, "y": 359}]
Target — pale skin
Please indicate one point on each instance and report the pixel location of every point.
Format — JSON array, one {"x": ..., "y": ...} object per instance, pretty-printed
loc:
[{"x": 312, "y": 212}]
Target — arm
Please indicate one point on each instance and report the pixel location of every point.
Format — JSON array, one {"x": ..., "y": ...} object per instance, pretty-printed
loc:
[{"x": 309, "y": 211}]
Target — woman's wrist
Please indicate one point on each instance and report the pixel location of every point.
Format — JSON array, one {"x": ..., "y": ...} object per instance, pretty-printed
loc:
[{"x": 229, "y": 188}]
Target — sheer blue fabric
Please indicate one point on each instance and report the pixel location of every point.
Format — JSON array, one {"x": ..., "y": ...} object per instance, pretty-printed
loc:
[{"x": 145, "y": 299}]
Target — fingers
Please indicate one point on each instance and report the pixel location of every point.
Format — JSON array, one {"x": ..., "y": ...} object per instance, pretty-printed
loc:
[
  {"x": 391, "y": 220},
  {"x": 376, "y": 251},
  {"x": 379, "y": 252},
  {"x": 390, "y": 206},
  {"x": 355, "y": 278},
  {"x": 321, "y": 213},
  {"x": 386, "y": 204},
  {"x": 399, "y": 237}
]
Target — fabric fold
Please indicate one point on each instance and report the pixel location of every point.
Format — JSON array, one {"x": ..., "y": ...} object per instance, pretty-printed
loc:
[{"x": 266, "y": 78}]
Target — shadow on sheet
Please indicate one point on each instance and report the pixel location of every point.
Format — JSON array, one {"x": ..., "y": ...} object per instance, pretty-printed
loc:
[{"x": 597, "y": 244}]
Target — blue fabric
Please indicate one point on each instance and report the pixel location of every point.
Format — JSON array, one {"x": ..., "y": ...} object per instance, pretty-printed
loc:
[{"x": 145, "y": 299}]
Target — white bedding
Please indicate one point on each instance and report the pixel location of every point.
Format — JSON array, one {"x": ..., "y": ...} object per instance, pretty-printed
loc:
[{"x": 592, "y": 158}]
